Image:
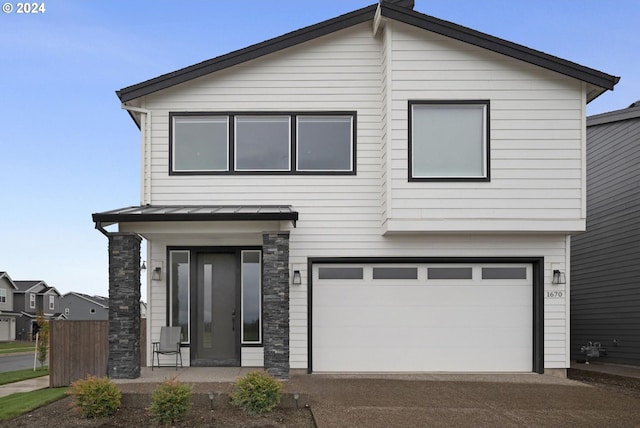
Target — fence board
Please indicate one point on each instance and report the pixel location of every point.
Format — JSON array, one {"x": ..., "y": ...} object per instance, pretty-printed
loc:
[{"x": 81, "y": 348}]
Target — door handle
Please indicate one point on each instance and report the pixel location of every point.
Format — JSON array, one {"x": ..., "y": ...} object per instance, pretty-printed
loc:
[{"x": 233, "y": 321}]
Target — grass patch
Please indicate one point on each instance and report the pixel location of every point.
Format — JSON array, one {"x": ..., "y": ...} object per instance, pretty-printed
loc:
[
  {"x": 18, "y": 375},
  {"x": 14, "y": 347},
  {"x": 20, "y": 403}
]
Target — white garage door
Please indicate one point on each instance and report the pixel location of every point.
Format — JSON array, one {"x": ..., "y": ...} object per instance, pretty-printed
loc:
[
  {"x": 5, "y": 329},
  {"x": 422, "y": 317}
]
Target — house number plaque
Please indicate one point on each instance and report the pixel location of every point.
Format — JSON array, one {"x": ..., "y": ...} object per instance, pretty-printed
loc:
[{"x": 554, "y": 294}]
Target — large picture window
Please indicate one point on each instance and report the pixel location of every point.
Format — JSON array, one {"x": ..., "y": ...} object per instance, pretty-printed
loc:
[
  {"x": 200, "y": 144},
  {"x": 449, "y": 140},
  {"x": 262, "y": 143},
  {"x": 324, "y": 143},
  {"x": 259, "y": 143}
]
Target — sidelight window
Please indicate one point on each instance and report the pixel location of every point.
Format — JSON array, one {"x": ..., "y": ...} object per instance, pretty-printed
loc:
[{"x": 251, "y": 297}]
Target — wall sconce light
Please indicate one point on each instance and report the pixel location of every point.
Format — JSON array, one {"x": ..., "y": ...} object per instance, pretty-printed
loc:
[
  {"x": 156, "y": 275},
  {"x": 558, "y": 277},
  {"x": 143, "y": 266},
  {"x": 297, "y": 279}
]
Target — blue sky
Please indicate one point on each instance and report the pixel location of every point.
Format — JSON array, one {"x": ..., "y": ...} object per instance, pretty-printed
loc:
[{"x": 68, "y": 150}]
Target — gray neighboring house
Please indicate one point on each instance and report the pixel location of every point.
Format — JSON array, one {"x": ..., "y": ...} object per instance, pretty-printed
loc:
[
  {"x": 605, "y": 260},
  {"x": 28, "y": 298},
  {"x": 7, "y": 315},
  {"x": 79, "y": 306}
]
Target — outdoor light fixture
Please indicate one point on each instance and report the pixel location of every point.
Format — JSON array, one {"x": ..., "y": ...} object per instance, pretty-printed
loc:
[
  {"x": 157, "y": 273},
  {"x": 144, "y": 266},
  {"x": 211, "y": 397},
  {"x": 297, "y": 279},
  {"x": 558, "y": 277}
]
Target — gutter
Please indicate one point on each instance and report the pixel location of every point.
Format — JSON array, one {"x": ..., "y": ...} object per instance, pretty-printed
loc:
[{"x": 145, "y": 150}]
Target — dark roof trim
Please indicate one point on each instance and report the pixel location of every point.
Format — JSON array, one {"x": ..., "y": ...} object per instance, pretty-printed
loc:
[
  {"x": 614, "y": 116},
  {"x": 399, "y": 12},
  {"x": 498, "y": 45},
  {"x": 246, "y": 54},
  {"x": 151, "y": 213}
]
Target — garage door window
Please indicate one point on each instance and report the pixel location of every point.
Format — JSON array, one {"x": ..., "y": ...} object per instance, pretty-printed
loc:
[
  {"x": 395, "y": 273},
  {"x": 340, "y": 273},
  {"x": 504, "y": 273},
  {"x": 450, "y": 273}
]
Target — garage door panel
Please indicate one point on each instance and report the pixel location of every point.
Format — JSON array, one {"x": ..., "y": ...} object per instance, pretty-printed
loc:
[
  {"x": 403, "y": 296},
  {"x": 369, "y": 325}
]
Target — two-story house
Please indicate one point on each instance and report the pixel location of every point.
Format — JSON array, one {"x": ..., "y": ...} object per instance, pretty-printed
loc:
[
  {"x": 80, "y": 306},
  {"x": 31, "y": 297},
  {"x": 7, "y": 315},
  {"x": 380, "y": 192}
]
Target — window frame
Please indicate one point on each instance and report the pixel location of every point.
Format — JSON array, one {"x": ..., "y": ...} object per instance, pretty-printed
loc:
[
  {"x": 486, "y": 137},
  {"x": 293, "y": 142},
  {"x": 3, "y": 295},
  {"x": 52, "y": 303},
  {"x": 32, "y": 300}
]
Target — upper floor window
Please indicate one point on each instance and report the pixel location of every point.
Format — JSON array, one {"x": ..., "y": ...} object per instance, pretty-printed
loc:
[
  {"x": 52, "y": 302},
  {"x": 250, "y": 143},
  {"x": 32, "y": 300},
  {"x": 449, "y": 140},
  {"x": 3, "y": 295}
]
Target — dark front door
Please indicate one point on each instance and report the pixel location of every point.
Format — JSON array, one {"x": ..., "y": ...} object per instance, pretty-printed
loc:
[{"x": 214, "y": 313}]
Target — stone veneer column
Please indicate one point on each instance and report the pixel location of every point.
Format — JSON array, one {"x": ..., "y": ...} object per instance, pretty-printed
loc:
[
  {"x": 124, "y": 306},
  {"x": 275, "y": 307}
]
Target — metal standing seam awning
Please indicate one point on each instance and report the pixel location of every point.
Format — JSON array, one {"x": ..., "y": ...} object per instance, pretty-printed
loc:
[{"x": 152, "y": 213}]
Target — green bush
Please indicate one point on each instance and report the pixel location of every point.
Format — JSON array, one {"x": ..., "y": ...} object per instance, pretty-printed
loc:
[
  {"x": 170, "y": 401},
  {"x": 257, "y": 392},
  {"x": 95, "y": 397}
]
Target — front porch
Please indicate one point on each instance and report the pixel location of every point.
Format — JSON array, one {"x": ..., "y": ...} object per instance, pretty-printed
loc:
[{"x": 202, "y": 261}]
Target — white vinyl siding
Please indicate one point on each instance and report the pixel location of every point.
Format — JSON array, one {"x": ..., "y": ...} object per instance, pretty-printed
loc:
[{"x": 536, "y": 129}]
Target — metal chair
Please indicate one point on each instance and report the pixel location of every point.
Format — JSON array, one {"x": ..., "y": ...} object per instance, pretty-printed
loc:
[{"x": 169, "y": 344}]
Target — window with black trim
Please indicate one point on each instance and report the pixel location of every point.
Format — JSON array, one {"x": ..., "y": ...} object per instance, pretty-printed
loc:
[
  {"x": 262, "y": 143},
  {"x": 449, "y": 140}
]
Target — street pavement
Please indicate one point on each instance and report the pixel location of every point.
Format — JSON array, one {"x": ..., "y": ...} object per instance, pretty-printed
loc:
[{"x": 18, "y": 361}]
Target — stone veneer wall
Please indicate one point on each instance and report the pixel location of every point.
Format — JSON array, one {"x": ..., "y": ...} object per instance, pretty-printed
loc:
[
  {"x": 124, "y": 306},
  {"x": 275, "y": 290}
]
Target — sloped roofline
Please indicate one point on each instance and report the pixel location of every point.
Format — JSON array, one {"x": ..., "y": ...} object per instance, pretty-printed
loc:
[
  {"x": 87, "y": 298},
  {"x": 6, "y": 275},
  {"x": 24, "y": 286},
  {"x": 614, "y": 116},
  {"x": 387, "y": 10}
]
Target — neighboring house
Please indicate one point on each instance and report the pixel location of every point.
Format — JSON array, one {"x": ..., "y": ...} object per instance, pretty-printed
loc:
[
  {"x": 605, "y": 260},
  {"x": 380, "y": 192},
  {"x": 7, "y": 315},
  {"x": 79, "y": 306},
  {"x": 29, "y": 297}
]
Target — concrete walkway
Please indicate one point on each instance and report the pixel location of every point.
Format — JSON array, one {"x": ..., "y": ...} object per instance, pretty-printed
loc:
[
  {"x": 447, "y": 400},
  {"x": 24, "y": 386}
]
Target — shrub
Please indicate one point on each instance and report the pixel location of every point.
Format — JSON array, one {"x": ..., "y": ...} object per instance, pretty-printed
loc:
[
  {"x": 95, "y": 397},
  {"x": 170, "y": 401},
  {"x": 257, "y": 392}
]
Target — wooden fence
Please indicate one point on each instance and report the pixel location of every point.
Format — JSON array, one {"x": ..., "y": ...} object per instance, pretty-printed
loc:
[{"x": 81, "y": 348}]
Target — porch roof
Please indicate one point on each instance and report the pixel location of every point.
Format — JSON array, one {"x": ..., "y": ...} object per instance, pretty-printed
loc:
[{"x": 145, "y": 213}]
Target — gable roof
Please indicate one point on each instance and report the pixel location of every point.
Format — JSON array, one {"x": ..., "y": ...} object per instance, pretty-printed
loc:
[
  {"x": 8, "y": 278},
  {"x": 97, "y": 300},
  {"x": 24, "y": 286},
  {"x": 632, "y": 112},
  {"x": 397, "y": 10}
]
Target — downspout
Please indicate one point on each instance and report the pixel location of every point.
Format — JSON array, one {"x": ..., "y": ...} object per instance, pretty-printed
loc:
[{"x": 145, "y": 150}]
